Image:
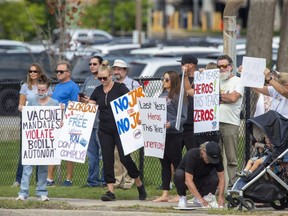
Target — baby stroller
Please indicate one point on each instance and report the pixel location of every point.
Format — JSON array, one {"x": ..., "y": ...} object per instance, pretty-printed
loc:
[{"x": 269, "y": 183}]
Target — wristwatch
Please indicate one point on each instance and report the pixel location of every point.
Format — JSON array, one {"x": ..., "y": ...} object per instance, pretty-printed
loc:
[{"x": 267, "y": 81}]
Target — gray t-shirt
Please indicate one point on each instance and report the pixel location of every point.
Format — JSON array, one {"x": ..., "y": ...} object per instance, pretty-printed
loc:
[
  {"x": 51, "y": 102},
  {"x": 88, "y": 87}
]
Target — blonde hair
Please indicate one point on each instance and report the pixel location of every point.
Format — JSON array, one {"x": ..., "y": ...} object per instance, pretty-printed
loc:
[
  {"x": 282, "y": 77},
  {"x": 211, "y": 65},
  {"x": 105, "y": 67}
]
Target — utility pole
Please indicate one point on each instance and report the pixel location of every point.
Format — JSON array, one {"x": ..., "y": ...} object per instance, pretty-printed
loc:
[
  {"x": 139, "y": 20},
  {"x": 230, "y": 27}
]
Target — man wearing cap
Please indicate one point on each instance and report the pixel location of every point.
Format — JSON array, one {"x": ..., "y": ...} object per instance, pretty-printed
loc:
[
  {"x": 120, "y": 70},
  {"x": 190, "y": 140},
  {"x": 201, "y": 171}
]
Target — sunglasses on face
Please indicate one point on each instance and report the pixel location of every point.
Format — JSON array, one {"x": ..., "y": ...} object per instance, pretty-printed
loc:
[
  {"x": 60, "y": 71},
  {"x": 33, "y": 71},
  {"x": 165, "y": 79},
  {"x": 222, "y": 66},
  {"x": 102, "y": 78},
  {"x": 94, "y": 64}
]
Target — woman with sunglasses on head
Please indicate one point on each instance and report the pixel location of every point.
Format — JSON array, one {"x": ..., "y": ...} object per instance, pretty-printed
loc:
[
  {"x": 173, "y": 141},
  {"x": 108, "y": 133},
  {"x": 28, "y": 92}
]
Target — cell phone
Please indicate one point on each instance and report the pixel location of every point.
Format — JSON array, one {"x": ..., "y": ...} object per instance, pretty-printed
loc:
[{"x": 81, "y": 94}]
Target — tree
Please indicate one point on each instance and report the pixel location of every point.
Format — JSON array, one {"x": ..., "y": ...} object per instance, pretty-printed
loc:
[
  {"x": 260, "y": 29},
  {"x": 123, "y": 18},
  {"x": 282, "y": 61},
  {"x": 14, "y": 20}
]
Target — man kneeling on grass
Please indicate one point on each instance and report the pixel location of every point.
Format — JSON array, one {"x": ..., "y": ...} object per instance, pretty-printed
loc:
[{"x": 201, "y": 171}]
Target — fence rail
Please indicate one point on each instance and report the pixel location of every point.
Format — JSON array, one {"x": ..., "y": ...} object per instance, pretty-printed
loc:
[{"x": 149, "y": 167}]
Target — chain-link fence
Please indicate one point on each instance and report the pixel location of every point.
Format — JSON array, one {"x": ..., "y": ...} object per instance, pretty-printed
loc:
[{"x": 150, "y": 167}]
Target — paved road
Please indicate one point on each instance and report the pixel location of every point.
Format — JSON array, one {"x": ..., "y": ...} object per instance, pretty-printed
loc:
[{"x": 87, "y": 207}]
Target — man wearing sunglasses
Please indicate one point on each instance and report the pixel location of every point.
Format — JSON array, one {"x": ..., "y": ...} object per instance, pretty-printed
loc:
[
  {"x": 66, "y": 90},
  {"x": 120, "y": 70},
  {"x": 231, "y": 94},
  {"x": 95, "y": 177}
]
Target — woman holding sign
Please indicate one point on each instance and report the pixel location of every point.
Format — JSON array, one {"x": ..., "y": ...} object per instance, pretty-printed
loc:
[
  {"x": 173, "y": 142},
  {"x": 108, "y": 133}
]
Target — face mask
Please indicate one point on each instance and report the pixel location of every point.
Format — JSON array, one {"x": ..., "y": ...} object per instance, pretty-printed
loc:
[
  {"x": 225, "y": 75},
  {"x": 42, "y": 96}
]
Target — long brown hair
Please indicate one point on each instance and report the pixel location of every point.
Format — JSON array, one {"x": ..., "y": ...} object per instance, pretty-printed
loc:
[
  {"x": 175, "y": 84},
  {"x": 40, "y": 71}
]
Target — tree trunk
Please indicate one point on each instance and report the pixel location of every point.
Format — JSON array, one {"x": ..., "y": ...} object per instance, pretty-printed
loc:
[
  {"x": 260, "y": 29},
  {"x": 282, "y": 62}
]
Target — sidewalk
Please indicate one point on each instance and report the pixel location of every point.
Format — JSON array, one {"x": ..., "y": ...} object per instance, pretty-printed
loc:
[{"x": 87, "y": 207}]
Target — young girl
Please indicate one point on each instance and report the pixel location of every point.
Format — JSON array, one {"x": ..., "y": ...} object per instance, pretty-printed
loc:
[{"x": 42, "y": 99}]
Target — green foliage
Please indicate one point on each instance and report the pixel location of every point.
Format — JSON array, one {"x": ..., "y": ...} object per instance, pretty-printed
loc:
[
  {"x": 99, "y": 15},
  {"x": 15, "y": 22}
]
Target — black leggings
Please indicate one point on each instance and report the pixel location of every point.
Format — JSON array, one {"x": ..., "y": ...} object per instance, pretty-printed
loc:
[
  {"x": 108, "y": 140},
  {"x": 205, "y": 185},
  {"x": 172, "y": 155}
]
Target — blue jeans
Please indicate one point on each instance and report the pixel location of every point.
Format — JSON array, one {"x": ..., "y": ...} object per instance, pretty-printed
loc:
[
  {"x": 93, "y": 153},
  {"x": 41, "y": 189}
]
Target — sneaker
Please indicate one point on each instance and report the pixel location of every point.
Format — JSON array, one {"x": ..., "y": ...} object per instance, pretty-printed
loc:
[
  {"x": 195, "y": 202},
  {"x": 50, "y": 183},
  {"x": 182, "y": 202},
  {"x": 67, "y": 183},
  {"x": 44, "y": 198},
  {"x": 247, "y": 173},
  {"x": 108, "y": 196},
  {"x": 15, "y": 184},
  {"x": 240, "y": 174},
  {"x": 21, "y": 197},
  {"x": 142, "y": 192}
]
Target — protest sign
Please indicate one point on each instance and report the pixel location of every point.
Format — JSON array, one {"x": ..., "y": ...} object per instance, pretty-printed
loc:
[
  {"x": 153, "y": 114},
  {"x": 252, "y": 74},
  {"x": 180, "y": 103},
  {"x": 126, "y": 115},
  {"x": 206, "y": 101},
  {"x": 75, "y": 134},
  {"x": 40, "y": 125}
]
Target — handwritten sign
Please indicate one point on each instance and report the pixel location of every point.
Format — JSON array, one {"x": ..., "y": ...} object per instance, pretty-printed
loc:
[
  {"x": 206, "y": 101},
  {"x": 252, "y": 74},
  {"x": 40, "y": 125},
  {"x": 153, "y": 118},
  {"x": 78, "y": 122},
  {"x": 126, "y": 115}
]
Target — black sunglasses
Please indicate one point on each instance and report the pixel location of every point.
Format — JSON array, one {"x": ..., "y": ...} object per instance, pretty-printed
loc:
[
  {"x": 33, "y": 71},
  {"x": 165, "y": 79},
  {"x": 94, "y": 64},
  {"x": 60, "y": 71},
  {"x": 102, "y": 78}
]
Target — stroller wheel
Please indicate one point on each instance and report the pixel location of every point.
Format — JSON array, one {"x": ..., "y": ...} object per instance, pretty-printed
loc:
[
  {"x": 233, "y": 203},
  {"x": 247, "y": 204},
  {"x": 280, "y": 204}
]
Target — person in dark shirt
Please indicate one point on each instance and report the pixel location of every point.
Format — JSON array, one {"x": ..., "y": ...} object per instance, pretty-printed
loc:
[
  {"x": 201, "y": 171},
  {"x": 108, "y": 133}
]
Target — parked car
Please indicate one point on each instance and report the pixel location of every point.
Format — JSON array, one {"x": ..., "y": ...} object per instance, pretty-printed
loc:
[
  {"x": 13, "y": 45},
  {"x": 13, "y": 69}
]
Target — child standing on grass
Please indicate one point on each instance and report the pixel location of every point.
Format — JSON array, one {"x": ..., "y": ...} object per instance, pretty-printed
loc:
[{"x": 41, "y": 99}]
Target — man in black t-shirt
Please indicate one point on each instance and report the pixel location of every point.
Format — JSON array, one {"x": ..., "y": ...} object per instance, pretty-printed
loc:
[{"x": 201, "y": 171}]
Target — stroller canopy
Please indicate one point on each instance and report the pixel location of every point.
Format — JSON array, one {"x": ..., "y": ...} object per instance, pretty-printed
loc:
[{"x": 274, "y": 125}]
